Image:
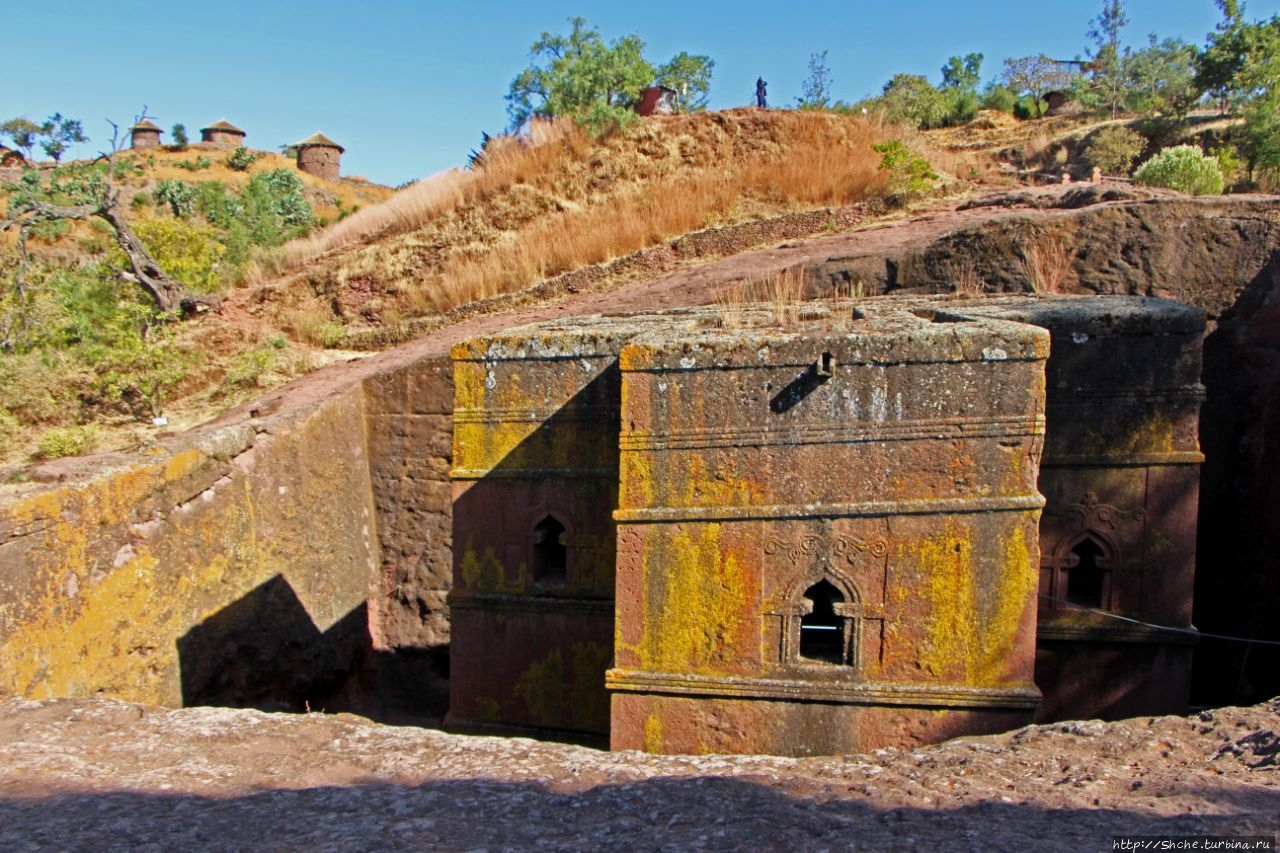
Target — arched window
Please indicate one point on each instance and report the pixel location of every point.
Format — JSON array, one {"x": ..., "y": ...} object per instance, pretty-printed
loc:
[
  {"x": 822, "y": 631},
  {"x": 1086, "y": 577},
  {"x": 550, "y": 553}
]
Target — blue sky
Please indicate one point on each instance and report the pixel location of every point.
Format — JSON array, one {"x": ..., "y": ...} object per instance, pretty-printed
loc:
[{"x": 408, "y": 87}]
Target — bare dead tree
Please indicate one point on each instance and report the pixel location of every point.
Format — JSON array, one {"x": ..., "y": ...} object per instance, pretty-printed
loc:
[{"x": 27, "y": 210}]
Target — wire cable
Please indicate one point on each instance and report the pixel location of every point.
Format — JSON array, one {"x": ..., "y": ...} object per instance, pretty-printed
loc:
[{"x": 1189, "y": 631}]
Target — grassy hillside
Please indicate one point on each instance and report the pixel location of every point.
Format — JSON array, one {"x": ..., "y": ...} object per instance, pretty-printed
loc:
[
  {"x": 562, "y": 200},
  {"x": 93, "y": 369}
]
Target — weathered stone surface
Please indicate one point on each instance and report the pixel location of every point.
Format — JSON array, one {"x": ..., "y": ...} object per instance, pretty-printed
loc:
[
  {"x": 535, "y": 483},
  {"x": 1121, "y": 477},
  {"x": 1202, "y": 252},
  {"x": 410, "y": 453},
  {"x": 230, "y": 568},
  {"x": 872, "y": 478},
  {"x": 101, "y": 775}
]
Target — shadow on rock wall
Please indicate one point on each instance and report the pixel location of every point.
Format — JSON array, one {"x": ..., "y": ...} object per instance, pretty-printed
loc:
[
  {"x": 264, "y": 651},
  {"x": 1238, "y": 560}
]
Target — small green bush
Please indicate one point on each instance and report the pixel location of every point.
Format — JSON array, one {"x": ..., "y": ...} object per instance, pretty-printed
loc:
[
  {"x": 188, "y": 251},
  {"x": 1113, "y": 149},
  {"x": 1000, "y": 98},
  {"x": 1184, "y": 168},
  {"x": 250, "y": 368},
  {"x": 240, "y": 159},
  {"x": 67, "y": 441},
  {"x": 179, "y": 196},
  {"x": 1229, "y": 161},
  {"x": 196, "y": 165},
  {"x": 908, "y": 172}
]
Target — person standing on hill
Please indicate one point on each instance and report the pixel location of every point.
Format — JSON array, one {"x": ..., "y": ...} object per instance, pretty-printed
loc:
[{"x": 760, "y": 93}]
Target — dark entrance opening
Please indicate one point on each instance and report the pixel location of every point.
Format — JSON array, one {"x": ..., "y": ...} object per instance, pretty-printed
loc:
[
  {"x": 550, "y": 556},
  {"x": 821, "y": 630},
  {"x": 1084, "y": 579}
]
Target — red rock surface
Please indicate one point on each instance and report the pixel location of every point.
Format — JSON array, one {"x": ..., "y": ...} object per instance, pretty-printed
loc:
[{"x": 102, "y": 775}]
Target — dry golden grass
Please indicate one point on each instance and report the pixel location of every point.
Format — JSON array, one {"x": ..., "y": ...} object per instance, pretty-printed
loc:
[
  {"x": 963, "y": 273},
  {"x": 1045, "y": 262},
  {"x": 559, "y": 200},
  {"x": 507, "y": 162},
  {"x": 776, "y": 300}
]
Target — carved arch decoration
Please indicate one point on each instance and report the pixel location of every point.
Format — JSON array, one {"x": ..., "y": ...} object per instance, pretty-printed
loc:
[
  {"x": 1088, "y": 522},
  {"x": 819, "y": 558}
]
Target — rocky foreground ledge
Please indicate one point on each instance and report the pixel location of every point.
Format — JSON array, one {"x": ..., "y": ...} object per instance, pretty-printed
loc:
[{"x": 103, "y": 775}]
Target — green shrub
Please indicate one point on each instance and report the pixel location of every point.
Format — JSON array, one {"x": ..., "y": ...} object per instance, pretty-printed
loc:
[
  {"x": 1184, "y": 168},
  {"x": 997, "y": 97},
  {"x": 179, "y": 196},
  {"x": 1229, "y": 161},
  {"x": 911, "y": 99},
  {"x": 67, "y": 441},
  {"x": 217, "y": 205},
  {"x": 141, "y": 370},
  {"x": 1113, "y": 149},
  {"x": 50, "y": 230},
  {"x": 188, "y": 251},
  {"x": 908, "y": 172},
  {"x": 250, "y": 368},
  {"x": 196, "y": 165},
  {"x": 240, "y": 159},
  {"x": 10, "y": 432}
]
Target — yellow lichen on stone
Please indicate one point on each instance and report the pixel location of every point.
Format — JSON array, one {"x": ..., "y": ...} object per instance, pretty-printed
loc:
[
  {"x": 636, "y": 477},
  {"x": 1019, "y": 579},
  {"x": 973, "y": 627},
  {"x": 541, "y": 688},
  {"x": 952, "y": 620},
  {"x": 114, "y": 634},
  {"x": 653, "y": 733},
  {"x": 483, "y": 570},
  {"x": 704, "y": 594}
]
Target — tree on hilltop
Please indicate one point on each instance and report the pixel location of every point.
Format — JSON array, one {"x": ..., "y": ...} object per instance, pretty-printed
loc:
[
  {"x": 23, "y": 132},
  {"x": 689, "y": 76},
  {"x": 1036, "y": 76},
  {"x": 1223, "y": 55},
  {"x": 815, "y": 91},
  {"x": 964, "y": 73},
  {"x": 60, "y": 133},
  {"x": 911, "y": 99},
  {"x": 1161, "y": 77},
  {"x": 1108, "y": 63},
  {"x": 578, "y": 75}
]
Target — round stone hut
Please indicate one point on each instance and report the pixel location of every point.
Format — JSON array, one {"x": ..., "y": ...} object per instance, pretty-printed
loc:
[
  {"x": 320, "y": 156},
  {"x": 222, "y": 132},
  {"x": 145, "y": 134}
]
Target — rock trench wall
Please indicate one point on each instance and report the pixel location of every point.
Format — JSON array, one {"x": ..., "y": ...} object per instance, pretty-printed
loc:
[{"x": 197, "y": 572}]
